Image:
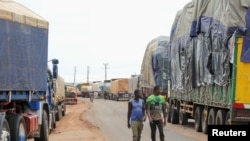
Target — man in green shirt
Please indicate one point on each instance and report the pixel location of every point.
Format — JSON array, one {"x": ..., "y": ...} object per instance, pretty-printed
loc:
[{"x": 156, "y": 112}]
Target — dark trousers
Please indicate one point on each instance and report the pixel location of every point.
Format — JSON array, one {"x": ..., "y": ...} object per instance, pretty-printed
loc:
[{"x": 153, "y": 125}]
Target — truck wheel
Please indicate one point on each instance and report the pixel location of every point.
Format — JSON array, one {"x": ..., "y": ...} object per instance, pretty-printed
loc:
[
  {"x": 182, "y": 117},
  {"x": 174, "y": 115},
  {"x": 64, "y": 110},
  {"x": 220, "y": 117},
  {"x": 44, "y": 131},
  {"x": 204, "y": 121},
  {"x": 54, "y": 119},
  {"x": 211, "y": 117},
  {"x": 17, "y": 128},
  {"x": 227, "y": 118},
  {"x": 169, "y": 112},
  {"x": 59, "y": 113},
  {"x": 197, "y": 118},
  {"x": 5, "y": 131}
]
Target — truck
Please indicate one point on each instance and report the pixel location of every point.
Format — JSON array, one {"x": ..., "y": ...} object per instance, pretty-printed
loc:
[
  {"x": 27, "y": 84},
  {"x": 58, "y": 99},
  {"x": 70, "y": 94},
  {"x": 86, "y": 89},
  {"x": 106, "y": 89},
  {"x": 210, "y": 63},
  {"x": 133, "y": 84},
  {"x": 119, "y": 89},
  {"x": 155, "y": 66},
  {"x": 96, "y": 88}
]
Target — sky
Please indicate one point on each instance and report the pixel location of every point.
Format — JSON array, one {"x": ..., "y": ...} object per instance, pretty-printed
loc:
[{"x": 87, "y": 36}]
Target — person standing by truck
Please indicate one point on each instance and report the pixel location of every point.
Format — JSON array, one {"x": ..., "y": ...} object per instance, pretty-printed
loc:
[
  {"x": 136, "y": 115},
  {"x": 156, "y": 112}
]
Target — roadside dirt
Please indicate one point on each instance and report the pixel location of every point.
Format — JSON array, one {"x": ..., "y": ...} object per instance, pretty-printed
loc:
[{"x": 74, "y": 127}]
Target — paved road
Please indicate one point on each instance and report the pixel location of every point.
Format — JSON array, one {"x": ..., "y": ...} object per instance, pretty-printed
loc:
[{"x": 111, "y": 117}]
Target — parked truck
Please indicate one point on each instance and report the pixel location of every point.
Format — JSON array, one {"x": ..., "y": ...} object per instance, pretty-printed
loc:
[
  {"x": 26, "y": 83},
  {"x": 119, "y": 89},
  {"x": 58, "y": 99},
  {"x": 133, "y": 84},
  {"x": 70, "y": 94},
  {"x": 106, "y": 89},
  {"x": 96, "y": 88},
  {"x": 210, "y": 63},
  {"x": 86, "y": 89},
  {"x": 155, "y": 66}
]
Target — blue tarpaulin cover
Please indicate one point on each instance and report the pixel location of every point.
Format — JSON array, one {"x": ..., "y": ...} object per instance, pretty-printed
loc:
[
  {"x": 202, "y": 42},
  {"x": 23, "y": 49}
]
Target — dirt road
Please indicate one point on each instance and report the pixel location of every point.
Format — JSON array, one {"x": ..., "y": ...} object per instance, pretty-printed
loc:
[
  {"x": 105, "y": 120},
  {"x": 73, "y": 129}
]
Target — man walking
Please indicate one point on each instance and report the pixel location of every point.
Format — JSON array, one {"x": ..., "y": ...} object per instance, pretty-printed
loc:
[
  {"x": 156, "y": 113},
  {"x": 136, "y": 115}
]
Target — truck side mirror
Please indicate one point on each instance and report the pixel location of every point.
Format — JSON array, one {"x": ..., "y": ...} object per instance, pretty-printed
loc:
[
  {"x": 55, "y": 71},
  {"x": 55, "y": 68}
]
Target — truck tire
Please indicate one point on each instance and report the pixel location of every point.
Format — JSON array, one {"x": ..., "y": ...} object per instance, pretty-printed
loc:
[
  {"x": 211, "y": 117},
  {"x": 169, "y": 112},
  {"x": 64, "y": 110},
  {"x": 5, "y": 131},
  {"x": 182, "y": 117},
  {"x": 174, "y": 115},
  {"x": 59, "y": 113},
  {"x": 17, "y": 127},
  {"x": 204, "y": 120},
  {"x": 227, "y": 118},
  {"x": 53, "y": 119},
  {"x": 197, "y": 119},
  {"x": 220, "y": 117},
  {"x": 44, "y": 130}
]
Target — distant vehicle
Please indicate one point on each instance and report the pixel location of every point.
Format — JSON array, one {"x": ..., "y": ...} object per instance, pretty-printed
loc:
[
  {"x": 86, "y": 88},
  {"x": 70, "y": 94},
  {"x": 119, "y": 89},
  {"x": 156, "y": 66},
  {"x": 133, "y": 84},
  {"x": 106, "y": 89}
]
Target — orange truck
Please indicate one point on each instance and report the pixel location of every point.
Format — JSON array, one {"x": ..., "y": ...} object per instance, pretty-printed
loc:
[{"x": 119, "y": 89}]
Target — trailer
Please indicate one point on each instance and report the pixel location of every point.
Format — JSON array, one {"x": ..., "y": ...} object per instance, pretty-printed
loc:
[
  {"x": 210, "y": 63},
  {"x": 133, "y": 84},
  {"x": 58, "y": 100},
  {"x": 155, "y": 66},
  {"x": 86, "y": 89},
  {"x": 106, "y": 89},
  {"x": 27, "y": 84},
  {"x": 70, "y": 95},
  {"x": 119, "y": 89}
]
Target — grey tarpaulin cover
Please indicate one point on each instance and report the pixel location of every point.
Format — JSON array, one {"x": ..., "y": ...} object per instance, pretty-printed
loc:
[
  {"x": 200, "y": 47},
  {"x": 155, "y": 65},
  {"x": 23, "y": 48}
]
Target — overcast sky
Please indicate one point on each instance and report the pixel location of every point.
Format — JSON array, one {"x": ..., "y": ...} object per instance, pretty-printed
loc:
[{"x": 91, "y": 33}]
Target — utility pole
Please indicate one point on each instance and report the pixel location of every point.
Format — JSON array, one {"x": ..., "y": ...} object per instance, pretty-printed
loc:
[
  {"x": 105, "y": 65},
  {"x": 88, "y": 74},
  {"x": 74, "y": 75}
]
